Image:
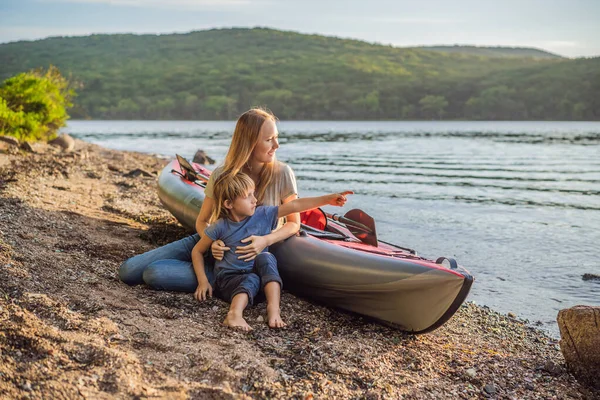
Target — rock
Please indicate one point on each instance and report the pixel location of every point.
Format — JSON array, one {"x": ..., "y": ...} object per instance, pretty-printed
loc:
[
  {"x": 36, "y": 147},
  {"x": 26, "y": 386},
  {"x": 552, "y": 368},
  {"x": 93, "y": 175},
  {"x": 113, "y": 168},
  {"x": 9, "y": 145},
  {"x": 27, "y": 147},
  {"x": 116, "y": 338},
  {"x": 137, "y": 172},
  {"x": 512, "y": 315},
  {"x": 372, "y": 395},
  {"x": 9, "y": 140},
  {"x": 201, "y": 158},
  {"x": 580, "y": 340},
  {"x": 260, "y": 319},
  {"x": 64, "y": 141},
  {"x": 590, "y": 277},
  {"x": 471, "y": 372},
  {"x": 489, "y": 389}
]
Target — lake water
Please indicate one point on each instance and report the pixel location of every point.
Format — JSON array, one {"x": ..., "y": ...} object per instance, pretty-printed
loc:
[{"x": 516, "y": 203}]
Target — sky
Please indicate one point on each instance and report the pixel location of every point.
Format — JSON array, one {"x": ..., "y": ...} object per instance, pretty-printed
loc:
[{"x": 567, "y": 27}]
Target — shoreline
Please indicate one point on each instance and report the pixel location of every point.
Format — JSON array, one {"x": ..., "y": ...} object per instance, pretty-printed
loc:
[{"x": 70, "y": 328}]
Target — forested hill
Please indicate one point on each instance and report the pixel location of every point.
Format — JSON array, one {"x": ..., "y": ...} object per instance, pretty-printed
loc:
[
  {"x": 217, "y": 74},
  {"x": 493, "y": 51}
]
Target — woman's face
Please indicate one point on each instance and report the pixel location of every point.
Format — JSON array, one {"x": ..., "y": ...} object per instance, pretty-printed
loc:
[{"x": 267, "y": 144}]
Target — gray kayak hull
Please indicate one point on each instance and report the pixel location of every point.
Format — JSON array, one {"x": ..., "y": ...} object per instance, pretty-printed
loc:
[{"x": 409, "y": 292}]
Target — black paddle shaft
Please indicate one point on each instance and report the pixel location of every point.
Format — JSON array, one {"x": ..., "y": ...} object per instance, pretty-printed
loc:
[{"x": 347, "y": 221}]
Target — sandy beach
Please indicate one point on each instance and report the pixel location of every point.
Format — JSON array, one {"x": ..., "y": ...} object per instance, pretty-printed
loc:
[{"x": 70, "y": 329}]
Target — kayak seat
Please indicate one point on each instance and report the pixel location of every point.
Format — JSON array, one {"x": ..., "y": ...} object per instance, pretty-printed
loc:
[{"x": 314, "y": 218}]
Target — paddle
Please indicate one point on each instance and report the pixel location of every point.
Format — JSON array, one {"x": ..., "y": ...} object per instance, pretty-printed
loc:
[
  {"x": 361, "y": 224},
  {"x": 189, "y": 172}
]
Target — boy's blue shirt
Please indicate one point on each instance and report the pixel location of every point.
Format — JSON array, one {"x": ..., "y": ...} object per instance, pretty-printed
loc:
[{"x": 231, "y": 233}]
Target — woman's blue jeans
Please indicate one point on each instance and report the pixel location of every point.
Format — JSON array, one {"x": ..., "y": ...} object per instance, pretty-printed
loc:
[{"x": 168, "y": 267}]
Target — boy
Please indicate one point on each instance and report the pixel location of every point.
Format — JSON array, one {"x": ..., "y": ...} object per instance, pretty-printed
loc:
[{"x": 237, "y": 217}]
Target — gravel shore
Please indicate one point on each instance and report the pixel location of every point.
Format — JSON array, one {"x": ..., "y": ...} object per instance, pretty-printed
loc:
[{"x": 70, "y": 329}]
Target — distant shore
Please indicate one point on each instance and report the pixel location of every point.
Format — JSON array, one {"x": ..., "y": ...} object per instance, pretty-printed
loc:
[{"x": 70, "y": 328}]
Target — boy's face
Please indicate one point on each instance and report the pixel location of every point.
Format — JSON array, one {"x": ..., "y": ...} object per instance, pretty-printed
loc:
[{"x": 244, "y": 206}]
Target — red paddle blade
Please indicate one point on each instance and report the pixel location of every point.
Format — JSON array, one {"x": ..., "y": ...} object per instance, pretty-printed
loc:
[{"x": 365, "y": 219}]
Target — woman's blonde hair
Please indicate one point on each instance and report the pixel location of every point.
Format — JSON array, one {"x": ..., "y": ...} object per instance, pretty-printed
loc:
[
  {"x": 245, "y": 137},
  {"x": 229, "y": 189}
]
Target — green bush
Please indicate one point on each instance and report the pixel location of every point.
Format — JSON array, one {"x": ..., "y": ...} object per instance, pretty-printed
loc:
[{"x": 33, "y": 105}]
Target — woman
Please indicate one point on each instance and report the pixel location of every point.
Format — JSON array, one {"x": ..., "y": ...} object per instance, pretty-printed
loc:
[{"x": 252, "y": 151}]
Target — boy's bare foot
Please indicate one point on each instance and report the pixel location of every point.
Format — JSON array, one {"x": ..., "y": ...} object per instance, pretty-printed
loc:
[
  {"x": 236, "y": 321},
  {"x": 274, "y": 318}
]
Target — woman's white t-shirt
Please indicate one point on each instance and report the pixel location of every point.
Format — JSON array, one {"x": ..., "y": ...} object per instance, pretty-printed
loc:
[{"x": 282, "y": 186}]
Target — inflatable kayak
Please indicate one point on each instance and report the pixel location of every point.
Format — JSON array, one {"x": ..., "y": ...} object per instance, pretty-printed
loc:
[{"x": 329, "y": 264}]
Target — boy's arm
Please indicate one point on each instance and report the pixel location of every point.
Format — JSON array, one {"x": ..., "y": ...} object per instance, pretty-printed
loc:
[
  {"x": 204, "y": 289},
  {"x": 258, "y": 243},
  {"x": 308, "y": 203}
]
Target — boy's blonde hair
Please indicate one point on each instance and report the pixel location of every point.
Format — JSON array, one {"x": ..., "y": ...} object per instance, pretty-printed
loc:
[
  {"x": 229, "y": 188},
  {"x": 245, "y": 137}
]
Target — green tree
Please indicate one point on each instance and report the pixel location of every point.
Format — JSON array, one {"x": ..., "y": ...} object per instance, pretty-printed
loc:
[
  {"x": 369, "y": 104},
  {"x": 407, "y": 111},
  {"x": 579, "y": 110},
  {"x": 498, "y": 102},
  {"x": 280, "y": 101},
  {"x": 33, "y": 105},
  {"x": 221, "y": 107},
  {"x": 433, "y": 106}
]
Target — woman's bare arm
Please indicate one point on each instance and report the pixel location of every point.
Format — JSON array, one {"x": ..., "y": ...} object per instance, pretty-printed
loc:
[
  {"x": 291, "y": 226},
  {"x": 204, "y": 216},
  {"x": 204, "y": 289},
  {"x": 218, "y": 248}
]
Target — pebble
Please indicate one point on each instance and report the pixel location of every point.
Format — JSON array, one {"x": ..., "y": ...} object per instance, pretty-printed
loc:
[
  {"x": 215, "y": 308},
  {"x": 26, "y": 386},
  {"x": 116, "y": 338},
  {"x": 260, "y": 319},
  {"x": 138, "y": 172},
  {"x": 512, "y": 315},
  {"x": 64, "y": 141},
  {"x": 471, "y": 372},
  {"x": 552, "y": 368},
  {"x": 489, "y": 389}
]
